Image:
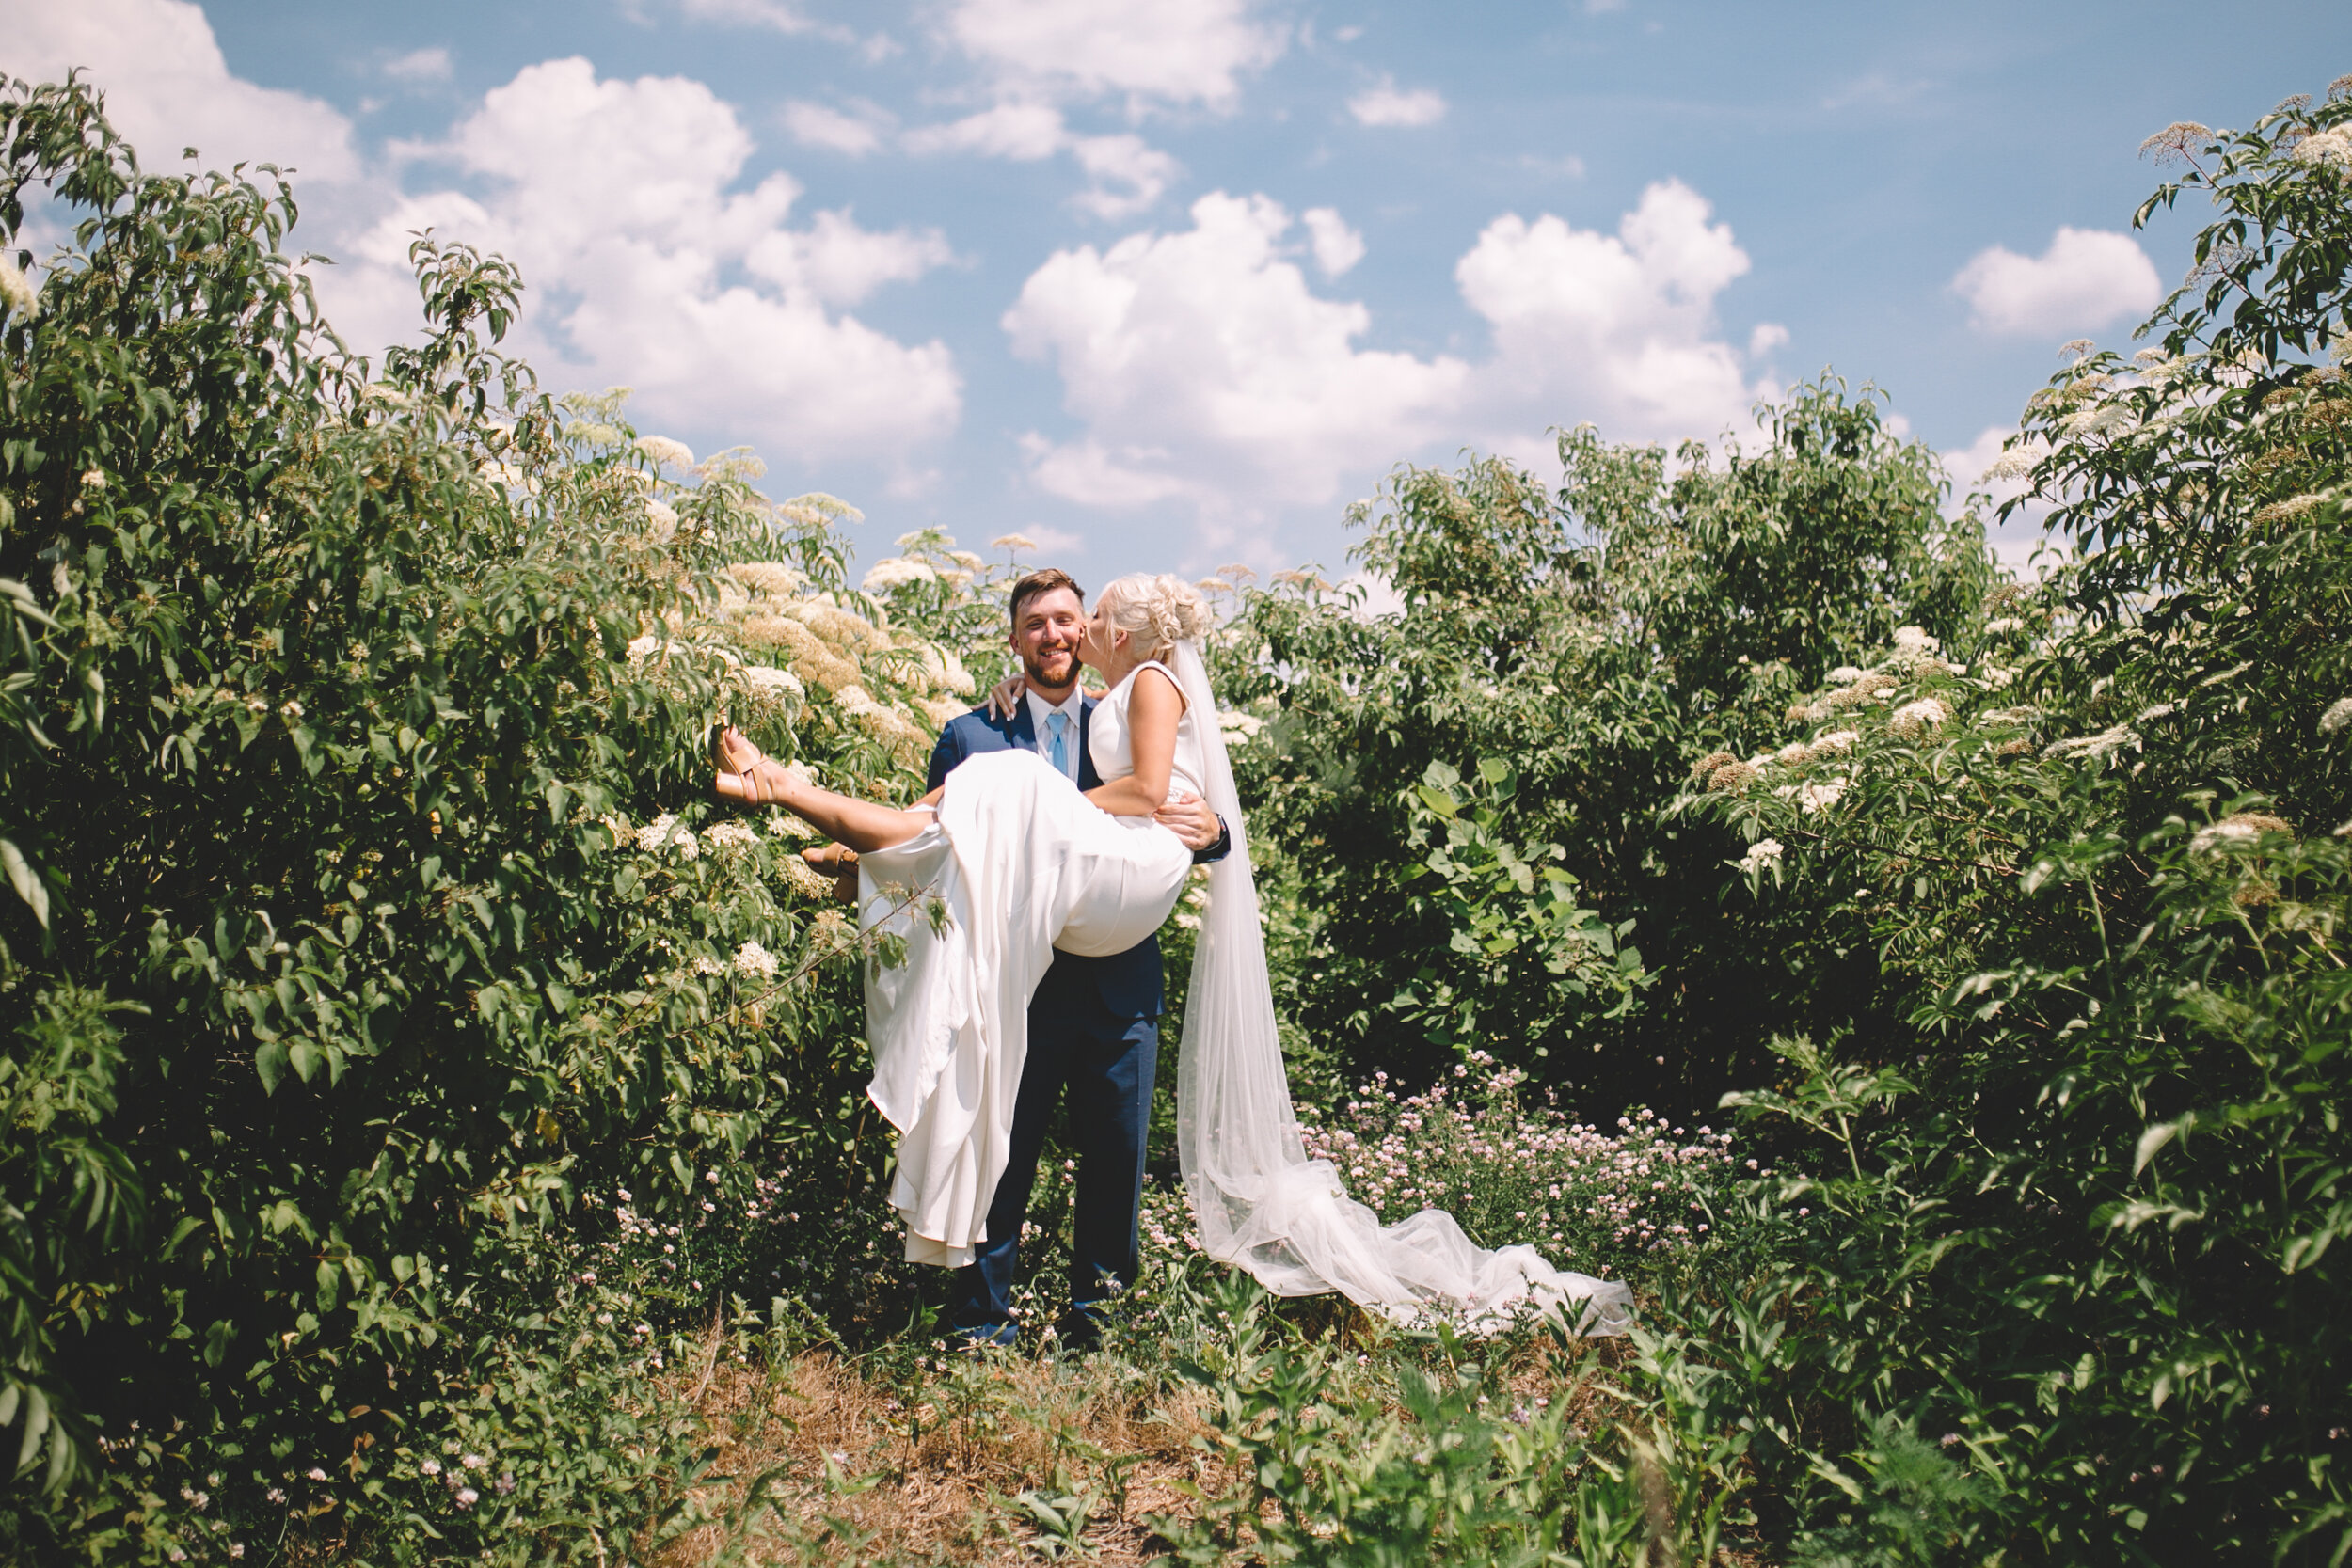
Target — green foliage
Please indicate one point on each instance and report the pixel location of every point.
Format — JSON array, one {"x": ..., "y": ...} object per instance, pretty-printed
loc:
[
  {"x": 1426, "y": 1452},
  {"x": 1583, "y": 646},
  {"x": 1514, "y": 934},
  {"x": 1916, "y": 1507},
  {"x": 334, "y": 963},
  {"x": 2087, "y": 1193}
]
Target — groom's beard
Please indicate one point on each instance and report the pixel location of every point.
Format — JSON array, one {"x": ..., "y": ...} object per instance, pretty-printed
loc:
[{"x": 1058, "y": 671}]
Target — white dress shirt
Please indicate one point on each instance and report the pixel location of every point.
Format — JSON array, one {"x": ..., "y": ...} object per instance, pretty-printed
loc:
[{"x": 1042, "y": 721}]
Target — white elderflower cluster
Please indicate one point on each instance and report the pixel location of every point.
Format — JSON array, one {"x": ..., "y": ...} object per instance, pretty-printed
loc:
[
  {"x": 1914, "y": 648},
  {"x": 2291, "y": 508},
  {"x": 666, "y": 830},
  {"x": 752, "y": 958},
  {"x": 18, "y": 292},
  {"x": 1819, "y": 797},
  {"x": 2339, "y": 714},
  {"x": 2002, "y": 624},
  {"x": 664, "y": 516},
  {"x": 2092, "y": 747},
  {"x": 2330, "y": 149},
  {"x": 1763, "y": 852},
  {"x": 665, "y": 453},
  {"x": 2099, "y": 419},
  {"x": 2240, "y": 831},
  {"x": 895, "y": 572},
  {"x": 771, "y": 578},
  {"x": 1924, "y": 717},
  {"x": 885, "y": 723},
  {"x": 1834, "y": 743},
  {"x": 809, "y": 883},
  {"x": 730, "y": 835},
  {"x": 767, "y": 677},
  {"x": 2016, "y": 461},
  {"x": 1016, "y": 544},
  {"x": 1241, "y": 725}
]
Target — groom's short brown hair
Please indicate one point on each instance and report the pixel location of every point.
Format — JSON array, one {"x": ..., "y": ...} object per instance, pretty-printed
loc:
[{"x": 1045, "y": 580}]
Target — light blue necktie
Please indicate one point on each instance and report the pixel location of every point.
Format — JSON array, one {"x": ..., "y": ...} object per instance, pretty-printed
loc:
[{"x": 1059, "y": 722}]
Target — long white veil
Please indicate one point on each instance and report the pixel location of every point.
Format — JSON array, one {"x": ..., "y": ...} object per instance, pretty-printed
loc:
[{"x": 1263, "y": 1206}]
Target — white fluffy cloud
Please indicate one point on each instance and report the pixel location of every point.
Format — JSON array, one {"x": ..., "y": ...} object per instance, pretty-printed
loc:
[
  {"x": 420, "y": 65},
  {"x": 1126, "y": 174},
  {"x": 1041, "y": 55},
  {"x": 1389, "y": 104},
  {"x": 774, "y": 15},
  {"x": 2087, "y": 278},
  {"x": 167, "y": 87},
  {"x": 1173, "y": 52},
  {"x": 617, "y": 200},
  {"x": 1617, "y": 328},
  {"x": 1203, "y": 368},
  {"x": 1337, "y": 246},
  {"x": 646, "y": 266},
  {"x": 855, "y": 134}
]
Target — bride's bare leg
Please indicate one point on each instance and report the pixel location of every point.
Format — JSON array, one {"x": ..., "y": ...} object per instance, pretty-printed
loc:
[{"x": 862, "y": 825}]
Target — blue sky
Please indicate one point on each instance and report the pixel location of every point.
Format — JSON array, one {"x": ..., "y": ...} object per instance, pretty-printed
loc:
[{"x": 1168, "y": 286}]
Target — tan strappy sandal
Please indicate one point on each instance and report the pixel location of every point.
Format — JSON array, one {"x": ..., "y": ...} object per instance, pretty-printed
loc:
[{"x": 730, "y": 764}]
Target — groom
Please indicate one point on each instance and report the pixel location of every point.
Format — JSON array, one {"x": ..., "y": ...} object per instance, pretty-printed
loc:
[{"x": 1093, "y": 1022}]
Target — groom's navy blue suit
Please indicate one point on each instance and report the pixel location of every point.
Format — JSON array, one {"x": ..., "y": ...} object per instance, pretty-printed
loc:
[{"x": 1094, "y": 1029}]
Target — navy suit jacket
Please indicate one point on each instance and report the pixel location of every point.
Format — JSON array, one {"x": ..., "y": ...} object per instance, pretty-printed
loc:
[{"x": 1129, "y": 983}]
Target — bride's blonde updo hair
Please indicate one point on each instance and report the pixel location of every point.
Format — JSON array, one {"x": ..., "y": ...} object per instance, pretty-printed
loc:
[{"x": 1156, "y": 610}]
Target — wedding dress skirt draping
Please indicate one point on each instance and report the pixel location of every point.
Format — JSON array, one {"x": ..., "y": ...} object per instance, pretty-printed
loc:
[{"x": 1017, "y": 863}]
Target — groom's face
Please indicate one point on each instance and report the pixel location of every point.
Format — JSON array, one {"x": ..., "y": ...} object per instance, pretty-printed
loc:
[{"x": 1047, "y": 637}]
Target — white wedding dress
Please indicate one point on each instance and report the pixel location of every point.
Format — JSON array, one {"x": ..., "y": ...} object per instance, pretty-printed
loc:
[{"x": 1018, "y": 862}]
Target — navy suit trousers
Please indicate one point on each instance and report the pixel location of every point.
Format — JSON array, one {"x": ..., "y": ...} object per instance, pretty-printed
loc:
[{"x": 1103, "y": 1063}]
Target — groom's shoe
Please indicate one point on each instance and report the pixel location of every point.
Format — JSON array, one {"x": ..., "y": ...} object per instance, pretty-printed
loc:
[{"x": 1079, "y": 1331}]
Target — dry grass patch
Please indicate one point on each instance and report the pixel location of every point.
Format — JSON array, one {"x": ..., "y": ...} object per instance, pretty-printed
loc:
[
  {"x": 996, "y": 1459},
  {"x": 935, "y": 1471}
]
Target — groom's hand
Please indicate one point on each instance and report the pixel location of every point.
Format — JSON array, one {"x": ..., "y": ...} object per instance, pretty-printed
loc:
[{"x": 1189, "y": 818}]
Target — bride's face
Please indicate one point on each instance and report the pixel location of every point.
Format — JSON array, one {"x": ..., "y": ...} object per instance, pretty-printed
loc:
[{"x": 1102, "y": 648}]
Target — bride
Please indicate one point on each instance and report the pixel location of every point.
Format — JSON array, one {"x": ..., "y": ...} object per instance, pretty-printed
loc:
[{"x": 1006, "y": 862}]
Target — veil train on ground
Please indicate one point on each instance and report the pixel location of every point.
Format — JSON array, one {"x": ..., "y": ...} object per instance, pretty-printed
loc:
[{"x": 1260, "y": 1202}]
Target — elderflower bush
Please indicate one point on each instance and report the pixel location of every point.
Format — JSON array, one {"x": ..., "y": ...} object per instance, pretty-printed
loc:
[
  {"x": 440, "y": 926},
  {"x": 2082, "y": 1166}
]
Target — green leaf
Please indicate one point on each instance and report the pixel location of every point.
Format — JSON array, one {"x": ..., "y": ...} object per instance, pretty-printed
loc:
[
  {"x": 26, "y": 882},
  {"x": 2155, "y": 1138},
  {"x": 269, "y": 1061}
]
